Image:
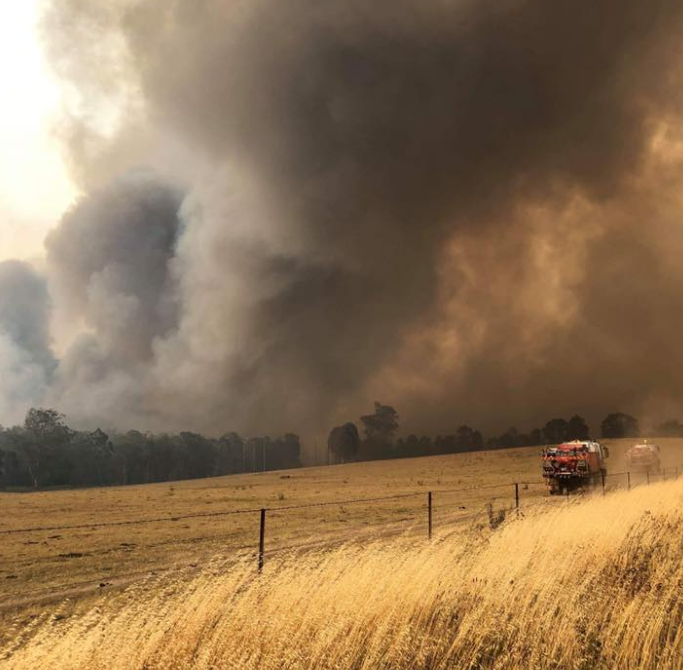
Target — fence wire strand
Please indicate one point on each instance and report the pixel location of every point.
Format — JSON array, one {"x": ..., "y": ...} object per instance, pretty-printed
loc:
[{"x": 327, "y": 503}]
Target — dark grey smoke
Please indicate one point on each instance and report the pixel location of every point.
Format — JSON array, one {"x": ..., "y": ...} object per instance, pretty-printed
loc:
[
  {"x": 378, "y": 197},
  {"x": 110, "y": 261},
  {"x": 110, "y": 256},
  {"x": 26, "y": 360}
]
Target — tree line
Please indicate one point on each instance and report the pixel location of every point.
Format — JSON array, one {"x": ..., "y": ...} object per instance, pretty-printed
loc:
[
  {"x": 45, "y": 451},
  {"x": 378, "y": 441},
  {"x": 345, "y": 443}
]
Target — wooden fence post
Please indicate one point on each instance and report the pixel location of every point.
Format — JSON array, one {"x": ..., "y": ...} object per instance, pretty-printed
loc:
[
  {"x": 516, "y": 495},
  {"x": 262, "y": 540},
  {"x": 429, "y": 513},
  {"x": 628, "y": 474},
  {"x": 602, "y": 474}
]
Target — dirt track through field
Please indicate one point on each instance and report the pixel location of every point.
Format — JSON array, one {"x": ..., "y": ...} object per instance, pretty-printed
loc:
[{"x": 98, "y": 539}]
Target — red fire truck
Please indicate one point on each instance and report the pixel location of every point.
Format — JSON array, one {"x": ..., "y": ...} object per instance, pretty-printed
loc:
[{"x": 573, "y": 465}]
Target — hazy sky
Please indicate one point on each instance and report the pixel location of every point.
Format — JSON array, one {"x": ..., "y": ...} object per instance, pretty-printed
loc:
[{"x": 34, "y": 184}]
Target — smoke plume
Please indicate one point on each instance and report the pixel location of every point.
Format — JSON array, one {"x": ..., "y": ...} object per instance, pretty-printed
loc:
[
  {"x": 26, "y": 360},
  {"x": 466, "y": 208},
  {"x": 110, "y": 263}
]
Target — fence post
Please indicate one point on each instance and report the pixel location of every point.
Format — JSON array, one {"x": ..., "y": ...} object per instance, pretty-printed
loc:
[
  {"x": 516, "y": 495},
  {"x": 429, "y": 513},
  {"x": 602, "y": 475},
  {"x": 262, "y": 540},
  {"x": 648, "y": 475},
  {"x": 628, "y": 474}
]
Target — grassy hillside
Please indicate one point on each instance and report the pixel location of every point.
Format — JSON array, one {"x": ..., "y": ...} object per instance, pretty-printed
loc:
[
  {"x": 59, "y": 562},
  {"x": 588, "y": 583}
]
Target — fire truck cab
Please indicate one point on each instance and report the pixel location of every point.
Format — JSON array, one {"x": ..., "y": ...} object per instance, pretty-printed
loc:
[{"x": 573, "y": 465}]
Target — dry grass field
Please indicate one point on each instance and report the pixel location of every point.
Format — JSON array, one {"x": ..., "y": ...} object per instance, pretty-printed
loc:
[
  {"x": 60, "y": 561},
  {"x": 65, "y": 571},
  {"x": 40, "y": 562},
  {"x": 587, "y": 583}
]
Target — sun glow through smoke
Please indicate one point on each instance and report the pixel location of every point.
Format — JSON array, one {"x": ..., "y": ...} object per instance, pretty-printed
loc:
[{"x": 34, "y": 185}]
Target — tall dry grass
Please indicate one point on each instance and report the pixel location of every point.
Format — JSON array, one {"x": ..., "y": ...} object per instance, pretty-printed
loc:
[{"x": 583, "y": 585}]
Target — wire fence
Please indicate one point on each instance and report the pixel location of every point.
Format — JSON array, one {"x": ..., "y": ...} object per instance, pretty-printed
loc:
[
  {"x": 423, "y": 514},
  {"x": 435, "y": 508}
]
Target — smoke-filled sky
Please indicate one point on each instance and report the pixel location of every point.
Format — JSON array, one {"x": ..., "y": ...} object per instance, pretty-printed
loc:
[
  {"x": 34, "y": 183},
  {"x": 469, "y": 209}
]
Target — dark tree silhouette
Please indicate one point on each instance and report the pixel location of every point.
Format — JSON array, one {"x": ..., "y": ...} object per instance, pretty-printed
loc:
[
  {"x": 465, "y": 439},
  {"x": 618, "y": 425},
  {"x": 381, "y": 425},
  {"x": 46, "y": 452},
  {"x": 577, "y": 429},
  {"x": 91, "y": 459},
  {"x": 231, "y": 455},
  {"x": 536, "y": 437},
  {"x": 669, "y": 428},
  {"x": 343, "y": 442},
  {"x": 555, "y": 431}
]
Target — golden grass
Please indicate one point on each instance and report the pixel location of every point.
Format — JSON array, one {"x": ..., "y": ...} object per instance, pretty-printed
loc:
[
  {"x": 74, "y": 562},
  {"x": 60, "y": 560},
  {"x": 590, "y": 583}
]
